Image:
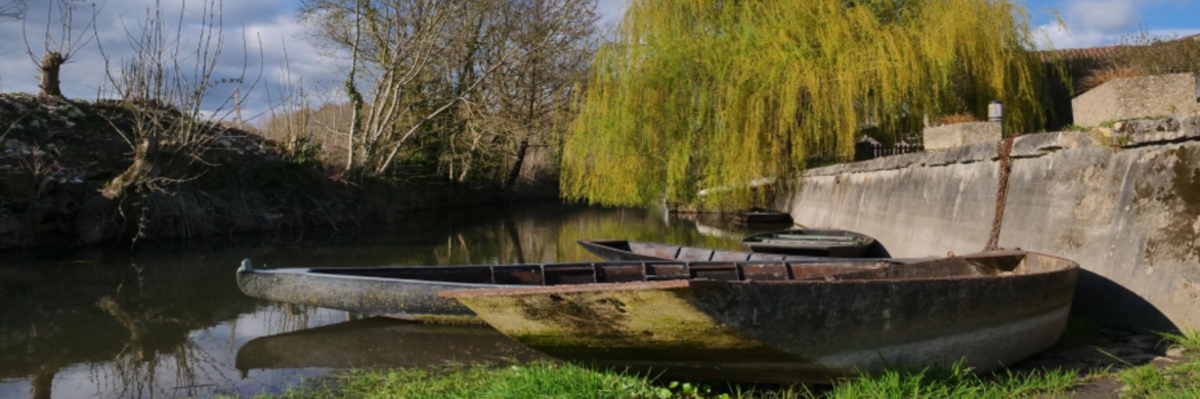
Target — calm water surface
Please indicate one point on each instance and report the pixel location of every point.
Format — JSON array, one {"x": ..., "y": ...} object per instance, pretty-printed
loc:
[{"x": 167, "y": 320}]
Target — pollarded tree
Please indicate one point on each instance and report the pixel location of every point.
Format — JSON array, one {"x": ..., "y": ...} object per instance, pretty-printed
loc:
[
  {"x": 696, "y": 94},
  {"x": 58, "y": 47}
]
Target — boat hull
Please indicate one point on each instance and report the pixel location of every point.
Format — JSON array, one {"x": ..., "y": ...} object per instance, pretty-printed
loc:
[
  {"x": 412, "y": 293},
  {"x": 786, "y": 331},
  {"x": 404, "y": 299}
]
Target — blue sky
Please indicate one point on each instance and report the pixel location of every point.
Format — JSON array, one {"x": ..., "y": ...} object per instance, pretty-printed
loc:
[
  {"x": 1090, "y": 23},
  {"x": 1093, "y": 23}
]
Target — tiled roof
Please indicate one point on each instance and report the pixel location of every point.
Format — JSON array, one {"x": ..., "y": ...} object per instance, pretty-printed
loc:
[{"x": 1092, "y": 52}]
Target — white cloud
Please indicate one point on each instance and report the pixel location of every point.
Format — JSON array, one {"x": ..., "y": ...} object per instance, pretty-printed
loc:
[
  {"x": 83, "y": 77},
  {"x": 1102, "y": 16},
  {"x": 1093, "y": 23},
  {"x": 1058, "y": 37}
]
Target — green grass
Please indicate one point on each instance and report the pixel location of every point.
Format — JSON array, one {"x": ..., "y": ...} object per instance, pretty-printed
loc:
[
  {"x": 1181, "y": 380},
  {"x": 551, "y": 380},
  {"x": 534, "y": 380},
  {"x": 956, "y": 382},
  {"x": 1188, "y": 339}
]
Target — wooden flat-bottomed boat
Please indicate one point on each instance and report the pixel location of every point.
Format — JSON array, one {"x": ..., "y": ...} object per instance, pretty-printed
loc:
[
  {"x": 625, "y": 250},
  {"x": 810, "y": 242},
  {"x": 411, "y": 292},
  {"x": 773, "y": 322}
]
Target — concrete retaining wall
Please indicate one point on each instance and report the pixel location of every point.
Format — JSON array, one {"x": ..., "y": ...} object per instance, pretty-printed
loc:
[{"x": 1129, "y": 213}]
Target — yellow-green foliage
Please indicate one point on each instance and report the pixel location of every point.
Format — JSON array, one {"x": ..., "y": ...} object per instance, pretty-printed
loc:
[{"x": 696, "y": 94}]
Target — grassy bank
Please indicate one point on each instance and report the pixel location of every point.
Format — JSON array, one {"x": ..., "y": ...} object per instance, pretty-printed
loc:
[
  {"x": 59, "y": 157},
  {"x": 550, "y": 380},
  {"x": 1175, "y": 377}
]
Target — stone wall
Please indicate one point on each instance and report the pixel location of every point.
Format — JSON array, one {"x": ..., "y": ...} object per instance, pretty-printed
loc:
[
  {"x": 1137, "y": 97},
  {"x": 1125, "y": 205},
  {"x": 957, "y": 135}
]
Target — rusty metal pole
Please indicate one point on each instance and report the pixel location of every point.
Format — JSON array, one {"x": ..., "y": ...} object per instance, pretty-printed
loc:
[{"x": 1003, "y": 150}]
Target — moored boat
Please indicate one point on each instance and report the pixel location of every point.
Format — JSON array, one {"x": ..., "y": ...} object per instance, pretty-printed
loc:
[
  {"x": 411, "y": 292},
  {"x": 988, "y": 309},
  {"x": 624, "y": 250},
  {"x": 810, "y": 242}
]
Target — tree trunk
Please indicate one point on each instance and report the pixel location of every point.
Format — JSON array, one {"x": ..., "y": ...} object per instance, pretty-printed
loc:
[
  {"x": 42, "y": 383},
  {"x": 51, "y": 64},
  {"x": 106, "y": 216},
  {"x": 516, "y": 170}
]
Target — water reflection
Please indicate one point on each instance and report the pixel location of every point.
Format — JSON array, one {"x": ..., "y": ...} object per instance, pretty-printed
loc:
[
  {"x": 379, "y": 342},
  {"x": 168, "y": 320}
]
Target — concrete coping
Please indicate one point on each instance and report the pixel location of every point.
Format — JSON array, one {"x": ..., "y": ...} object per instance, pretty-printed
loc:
[{"x": 1126, "y": 134}]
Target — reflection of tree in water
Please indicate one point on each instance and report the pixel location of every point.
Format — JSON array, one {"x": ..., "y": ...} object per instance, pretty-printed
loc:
[
  {"x": 158, "y": 342},
  {"x": 130, "y": 326},
  {"x": 530, "y": 238}
]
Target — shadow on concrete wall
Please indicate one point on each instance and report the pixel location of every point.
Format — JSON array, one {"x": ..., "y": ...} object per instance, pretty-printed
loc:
[
  {"x": 1105, "y": 301},
  {"x": 877, "y": 250}
]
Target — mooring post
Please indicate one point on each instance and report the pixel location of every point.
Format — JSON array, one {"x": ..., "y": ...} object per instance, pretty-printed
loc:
[{"x": 996, "y": 114}]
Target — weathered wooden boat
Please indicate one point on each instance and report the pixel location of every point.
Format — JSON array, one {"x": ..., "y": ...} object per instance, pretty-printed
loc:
[
  {"x": 739, "y": 322},
  {"x": 380, "y": 342},
  {"x": 810, "y": 242},
  {"x": 763, "y": 216},
  {"x": 625, "y": 250},
  {"x": 411, "y": 292}
]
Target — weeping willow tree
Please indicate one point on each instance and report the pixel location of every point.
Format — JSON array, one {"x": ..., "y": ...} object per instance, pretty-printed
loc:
[{"x": 694, "y": 94}]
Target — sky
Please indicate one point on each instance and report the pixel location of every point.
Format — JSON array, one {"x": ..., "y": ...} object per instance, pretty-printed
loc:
[{"x": 268, "y": 34}]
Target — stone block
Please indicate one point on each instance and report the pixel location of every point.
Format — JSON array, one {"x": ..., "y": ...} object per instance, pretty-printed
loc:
[
  {"x": 1137, "y": 97},
  {"x": 1177, "y": 127},
  {"x": 1035, "y": 145},
  {"x": 957, "y": 135}
]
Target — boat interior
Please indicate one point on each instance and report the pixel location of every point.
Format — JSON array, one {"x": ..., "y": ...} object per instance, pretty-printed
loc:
[
  {"x": 989, "y": 264},
  {"x": 678, "y": 252},
  {"x": 810, "y": 237}
]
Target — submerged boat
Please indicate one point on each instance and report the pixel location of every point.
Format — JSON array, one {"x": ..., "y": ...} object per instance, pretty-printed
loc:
[
  {"x": 810, "y": 242},
  {"x": 742, "y": 324},
  {"x": 622, "y": 250},
  {"x": 411, "y": 292}
]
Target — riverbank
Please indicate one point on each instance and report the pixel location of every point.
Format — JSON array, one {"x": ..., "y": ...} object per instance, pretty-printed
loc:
[
  {"x": 1175, "y": 375},
  {"x": 56, "y": 156}
]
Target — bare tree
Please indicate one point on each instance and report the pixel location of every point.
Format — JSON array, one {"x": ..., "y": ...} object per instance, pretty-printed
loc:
[
  {"x": 58, "y": 47},
  {"x": 431, "y": 68},
  {"x": 12, "y": 10}
]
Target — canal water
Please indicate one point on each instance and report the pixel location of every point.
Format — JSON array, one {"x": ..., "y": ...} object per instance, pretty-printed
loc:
[{"x": 167, "y": 320}]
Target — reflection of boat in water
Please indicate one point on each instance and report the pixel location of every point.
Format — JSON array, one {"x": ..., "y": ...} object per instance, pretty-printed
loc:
[
  {"x": 810, "y": 242},
  {"x": 785, "y": 322},
  {"x": 380, "y": 342},
  {"x": 761, "y": 216}
]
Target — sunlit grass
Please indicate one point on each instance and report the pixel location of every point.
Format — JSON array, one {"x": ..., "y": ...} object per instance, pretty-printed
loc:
[
  {"x": 1177, "y": 380},
  {"x": 534, "y": 380},
  {"x": 552, "y": 380}
]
